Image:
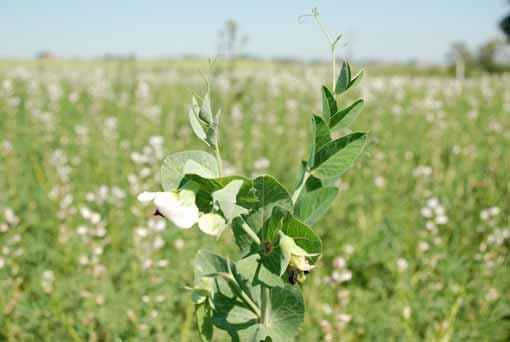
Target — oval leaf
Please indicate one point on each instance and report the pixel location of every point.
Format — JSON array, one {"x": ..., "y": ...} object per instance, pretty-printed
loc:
[
  {"x": 311, "y": 206},
  {"x": 320, "y": 136},
  {"x": 336, "y": 157},
  {"x": 345, "y": 117},
  {"x": 172, "y": 169},
  {"x": 329, "y": 106},
  {"x": 344, "y": 79}
]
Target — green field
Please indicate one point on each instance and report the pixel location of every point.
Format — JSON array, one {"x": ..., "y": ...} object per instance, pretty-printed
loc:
[{"x": 416, "y": 247}]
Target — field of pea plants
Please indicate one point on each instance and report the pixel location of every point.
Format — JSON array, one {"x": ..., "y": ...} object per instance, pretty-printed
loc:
[{"x": 415, "y": 248}]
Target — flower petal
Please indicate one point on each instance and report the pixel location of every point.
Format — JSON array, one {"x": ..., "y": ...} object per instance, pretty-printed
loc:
[
  {"x": 184, "y": 217},
  {"x": 147, "y": 196},
  {"x": 212, "y": 224}
]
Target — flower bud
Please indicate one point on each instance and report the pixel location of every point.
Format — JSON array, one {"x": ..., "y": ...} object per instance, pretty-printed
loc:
[
  {"x": 295, "y": 256},
  {"x": 212, "y": 224}
]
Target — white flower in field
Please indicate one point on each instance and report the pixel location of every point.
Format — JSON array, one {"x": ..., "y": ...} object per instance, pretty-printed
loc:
[
  {"x": 339, "y": 262},
  {"x": 162, "y": 263},
  {"x": 84, "y": 260},
  {"x": 402, "y": 264},
  {"x": 179, "y": 244},
  {"x": 440, "y": 210},
  {"x": 494, "y": 211},
  {"x": 422, "y": 171},
  {"x": 10, "y": 217},
  {"x": 261, "y": 164},
  {"x": 344, "y": 317},
  {"x": 48, "y": 278},
  {"x": 433, "y": 202},
  {"x": 442, "y": 219},
  {"x": 178, "y": 207},
  {"x": 141, "y": 232},
  {"x": 379, "y": 182},
  {"x": 485, "y": 214},
  {"x": 426, "y": 212},
  {"x": 431, "y": 226},
  {"x": 345, "y": 276},
  {"x": 158, "y": 243},
  {"x": 327, "y": 309},
  {"x": 82, "y": 230},
  {"x": 212, "y": 224},
  {"x": 423, "y": 246},
  {"x": 406, "y": 312}
]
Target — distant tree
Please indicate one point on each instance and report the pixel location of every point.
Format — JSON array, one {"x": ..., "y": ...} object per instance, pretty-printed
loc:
[
  {"x": 459, "y": 50},
  {"x": 504, "y": 25},
  {"x": 461, "y": 59},
  {"x": 487, "y": 54},
  {"x": 231, "y": 46},
  {"x": 232, "y": 43},
  {"x": 46, "y": 55}
]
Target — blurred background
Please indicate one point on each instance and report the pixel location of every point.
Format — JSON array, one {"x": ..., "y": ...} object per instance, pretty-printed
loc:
[{"x": 94, "y": 94}]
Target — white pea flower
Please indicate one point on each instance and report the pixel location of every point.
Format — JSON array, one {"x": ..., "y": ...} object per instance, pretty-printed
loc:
[
  {"x": 212, "y": 224},
  {"x": 178, "y": 207}
]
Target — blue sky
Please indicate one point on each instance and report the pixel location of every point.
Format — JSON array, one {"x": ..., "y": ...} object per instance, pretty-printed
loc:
[{"x": 383, "y": 29}]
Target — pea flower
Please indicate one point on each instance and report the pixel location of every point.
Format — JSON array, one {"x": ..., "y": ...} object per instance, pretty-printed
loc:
[
  {"x": 212, "y": 224},
  {"x": 295, "y": 258},
  {"x": 178, "y": 207}
]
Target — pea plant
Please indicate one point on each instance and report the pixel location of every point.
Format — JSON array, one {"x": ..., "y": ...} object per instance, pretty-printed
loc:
[{"x": 258, "y": 297}]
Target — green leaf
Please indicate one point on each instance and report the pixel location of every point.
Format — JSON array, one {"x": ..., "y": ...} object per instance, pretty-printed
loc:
[
  {"x": 286, "y": 316},
  {"x": 269, "y": 193},
  {"x": 336, "y": 157},
  {"x": 208, "y": 264},
  {"x": 252, "y": 269},
  {"x": 304, "y": 237},
  {"x": 329, "y": 106},
  {"x": 285, "y": 313},
  {"x": 311, "y": 206},
  {"x": 207, "y": 267},
  {"x": 205, "y": 113},
  {"x": 172, "y": 169},
  {"x": 344, "y": 79},
  {"x": 205, "y": 187},
  {"x": 345, "y": 117},
  {"x": 194, "y": 121},
  {"x": 212, "y": 131},
  {"x": 320, "y": 136},
  {"x": 226, "y": 199},
  {"x": 203, "y": 316},
  {"x": 192, "y": 167},
  {"x": 357, "y": 79}
]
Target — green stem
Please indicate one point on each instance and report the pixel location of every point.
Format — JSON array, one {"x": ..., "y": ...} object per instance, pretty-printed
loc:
[
  {"x": 246, "y": 299},
  {"x": 265, "y": 300},
  {"x": 300, "y": 187},
  {"x": 333, "y": 67},
  {"x": 218, "y": 158},
  {"x": 251, "y": 233},
  {"x": 332, "y": 44}
]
